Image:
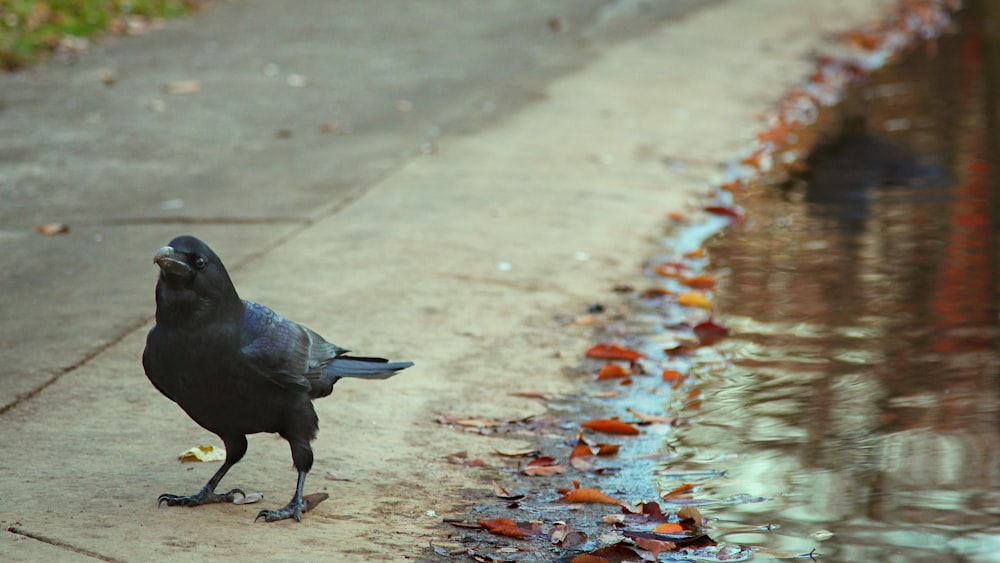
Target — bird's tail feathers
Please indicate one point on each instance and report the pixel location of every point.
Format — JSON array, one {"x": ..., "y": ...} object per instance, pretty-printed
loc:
[{"x": 364, "y": 368}]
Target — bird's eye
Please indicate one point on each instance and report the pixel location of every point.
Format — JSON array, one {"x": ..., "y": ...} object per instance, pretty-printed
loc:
[{"x": 200, "y": 262}]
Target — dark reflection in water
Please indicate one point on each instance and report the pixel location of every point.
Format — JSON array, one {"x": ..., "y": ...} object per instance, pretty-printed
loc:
[{"x": 865, "y": 392}]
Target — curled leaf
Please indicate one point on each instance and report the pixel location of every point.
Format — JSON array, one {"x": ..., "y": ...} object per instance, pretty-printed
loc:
[{"x": 203, "y": 453}]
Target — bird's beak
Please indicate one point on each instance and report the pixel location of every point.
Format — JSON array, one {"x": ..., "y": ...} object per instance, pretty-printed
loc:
[{"x": 172, "y": 262}]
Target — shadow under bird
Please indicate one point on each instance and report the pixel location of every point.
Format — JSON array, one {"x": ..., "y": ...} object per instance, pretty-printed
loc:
[{"x": 239, "y": 368}]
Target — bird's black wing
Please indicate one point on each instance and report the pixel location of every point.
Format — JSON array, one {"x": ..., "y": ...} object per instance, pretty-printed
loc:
[{"x": 284, "y": 352}]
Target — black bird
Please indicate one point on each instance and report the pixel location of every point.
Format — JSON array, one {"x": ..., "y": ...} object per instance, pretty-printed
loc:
[{"x": 239, "y": 368}]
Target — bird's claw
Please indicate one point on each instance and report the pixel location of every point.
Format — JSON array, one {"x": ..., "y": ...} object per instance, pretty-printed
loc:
[
  {"x": 293, "y": 510},
  {"x": 198, "y": 499}
]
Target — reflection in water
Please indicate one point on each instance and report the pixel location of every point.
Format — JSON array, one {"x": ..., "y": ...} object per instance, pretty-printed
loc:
[{"x": 865, "y": 391}]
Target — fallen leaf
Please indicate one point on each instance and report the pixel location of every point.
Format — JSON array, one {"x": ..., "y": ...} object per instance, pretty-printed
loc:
[
  {"x": 669, "y": 528},
  {"x": 332, "y": 477},
  {"x": 694, "y": 299},
  {"x": 609, "y": 371},
  {"x": 471, "y": 422},
  {"x": 613, "y": 352},
  {"x": 610, "y": 426},
  {"x": 461, "y": 458},
  {"x": 699, "y": 282},
  {"x": 671, "y": 269},
  {"x": 182, "y": 87},
  {"x": 592, "y": 496},
  {"x": 533, "y": 395},
  {"x": 203, "y": 453},
  {"x": 683, "y": 491},
  {"x": 581, "y": 463},
  {"x": 563, "y": 535},
  {"x": 655, "y": 419},
  {"x": 672, "y": 375},
  {"x": 49, "y": 229},
  {"x": 726, "y": 211},
  {"x": 543, "y": 467},
  {"x": 607, "y": 449},
  {"x": 240, "y": 498},
  {"x": 509, "y": 528},
  {"x": 689, "y": 512},
  {"x": 610, "y": 554},
  {"x": 654, "y": 546},
  {"x": 709, "y": 332},
  {"x": 655, "y": 292},
  {"x": 581, "y": 450},
  {"x": 604, "y": 394},
  {"x": 732, "y": 185},
  {"x": 502, "y": 493},
  {"x": 696, "y": 253},
  {"x": 613, "y": 519},
  {"x": 312, "y": 500},
  {"x": 519, "y": 453}
]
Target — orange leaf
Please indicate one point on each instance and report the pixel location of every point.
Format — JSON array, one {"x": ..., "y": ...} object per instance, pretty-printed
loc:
[
  {"x": 607, "y": 449},
  {"x": 544, "y": 470},
  {"x": 672, "y": 375},
  {"x": 505, "y": 527},
  {"x": 654, "y": 546},
  {"x": 731, "y": 187},
  {"x": 581, "y": 450},
  {"x": 612, "y": 352},
  {"x": 589, "y": 496},
  {"x": 694, "y": 299},
  {"x": 610, "y": 426},
  {"x": 676, "y": 216},
  {"x": 670, "y": 269},
  {"x": 696, "y": 253},
  {"x": 609, "y": 371},
  {"x": 683, "y": 490},
  {"x": 700, "y": 282},
  {"x": 669, "y": 528}
]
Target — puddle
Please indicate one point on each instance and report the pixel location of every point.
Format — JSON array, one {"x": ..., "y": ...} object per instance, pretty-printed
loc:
[{"x": 863, "y": 396}]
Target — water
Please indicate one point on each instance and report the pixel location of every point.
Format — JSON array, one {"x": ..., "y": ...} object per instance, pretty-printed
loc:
[{"x": 864, "y": 393}]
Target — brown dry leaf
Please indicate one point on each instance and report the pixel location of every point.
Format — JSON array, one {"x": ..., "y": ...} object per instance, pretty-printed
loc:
[
  {"x": 531, "y": 394},
  {"x": 654, "y": 546},
  {"x": 609, "y": 371},
  {"x": 313, "y": 500},
  {"x": 652, "y": 418},
  {"x": 689, "y": 512},
  {"x": 470, "y": 422},
  {"x": 694, "y": 299},
  {"x": 182, "y": 87},
  {"x": 581, "y": 450},
  {"x": 461, "y": 458},
  {"x": 543, "y": 467},
  {"x": 519, "y": 453},
  {"x": 563, "y": 535},
  {"x": 49, "y": 229},
  {"x": 610, "y": 426},
  {"x": 503, "y": 493},
  {"x": 696, "y": 253},
  {"x": 509, "y": 528},
  {"x": 331, "y": 477}
]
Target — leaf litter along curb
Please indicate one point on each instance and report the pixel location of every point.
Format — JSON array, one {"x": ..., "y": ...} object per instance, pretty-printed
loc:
[{"x": 681, "y": 294}]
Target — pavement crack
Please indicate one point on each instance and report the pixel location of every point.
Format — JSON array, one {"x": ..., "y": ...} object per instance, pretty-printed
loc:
[{"x": 14, "y": 529}]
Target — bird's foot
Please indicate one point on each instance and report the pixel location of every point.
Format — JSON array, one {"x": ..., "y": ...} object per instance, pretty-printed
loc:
[
  {"x": 203, "y": 496},
  {"x": 294, "y": 509}
]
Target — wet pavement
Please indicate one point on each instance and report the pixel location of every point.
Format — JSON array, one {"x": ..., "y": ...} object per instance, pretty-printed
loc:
[{"x": 863, "y": 397}]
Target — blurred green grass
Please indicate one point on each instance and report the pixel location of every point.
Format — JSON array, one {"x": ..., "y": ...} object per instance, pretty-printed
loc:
[{"x": 30, "y": 30}]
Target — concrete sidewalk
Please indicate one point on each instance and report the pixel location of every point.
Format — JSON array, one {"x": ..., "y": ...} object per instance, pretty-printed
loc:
[{"x": 466, "y": 135}]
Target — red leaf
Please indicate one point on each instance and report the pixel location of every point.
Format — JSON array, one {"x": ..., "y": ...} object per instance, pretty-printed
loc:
[
  {"x": 726, "y": 211},
  {"x": 709, "y": 332}
]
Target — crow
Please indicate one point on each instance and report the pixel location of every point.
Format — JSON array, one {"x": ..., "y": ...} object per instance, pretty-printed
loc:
[{"x": 238, "y": 368}]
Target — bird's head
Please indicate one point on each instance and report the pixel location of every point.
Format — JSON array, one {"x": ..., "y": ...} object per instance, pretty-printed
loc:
[{"x": 193, "y": 281}]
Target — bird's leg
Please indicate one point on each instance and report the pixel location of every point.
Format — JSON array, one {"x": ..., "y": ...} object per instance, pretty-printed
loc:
[
  {"x": 294, "y": 509},
  {"x": 235, "y": 448}
]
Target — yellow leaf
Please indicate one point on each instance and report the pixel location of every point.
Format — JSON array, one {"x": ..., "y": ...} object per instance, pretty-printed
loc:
[
  {"x": 203, "y": 453},
  {"x": 694, "y": 299}
]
